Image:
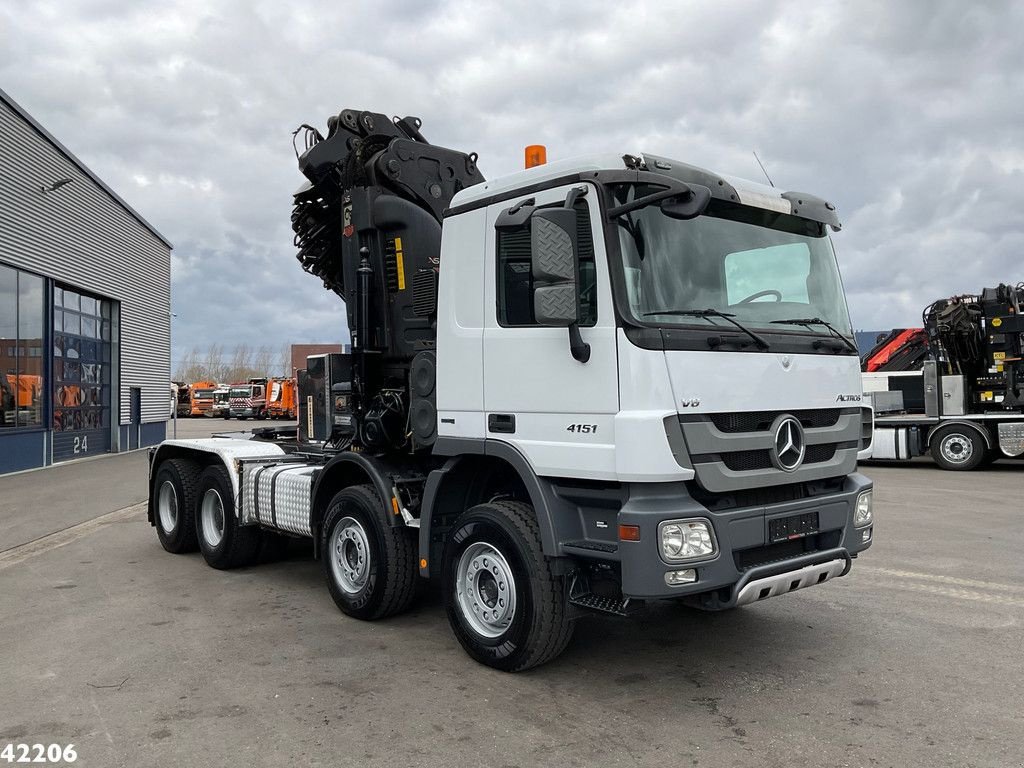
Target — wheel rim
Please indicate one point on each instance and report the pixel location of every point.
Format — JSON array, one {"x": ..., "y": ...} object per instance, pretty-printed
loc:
[
  {"x": 350, "y": 555},
  {"x": 486, "y": 590},
  {"x": 957, "y": 449},
  {"x": 167, "y": 506},
  {"x": 212, "y": 516}
]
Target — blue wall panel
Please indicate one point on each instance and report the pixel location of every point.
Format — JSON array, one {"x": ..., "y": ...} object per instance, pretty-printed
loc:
[
  {"x": 21, "y": 450},
  {"x": 154, "y": 433}
]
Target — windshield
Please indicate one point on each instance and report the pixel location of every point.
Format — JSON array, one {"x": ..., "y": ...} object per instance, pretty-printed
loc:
[
  {"x": 220, "y": 396},
  {"x": 758, "y": 265},
  {"x": 202, "y": 393},
  {"x": 240, "y": 392}
]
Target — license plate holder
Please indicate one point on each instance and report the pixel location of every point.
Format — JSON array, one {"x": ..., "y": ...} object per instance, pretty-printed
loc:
[{"x": 792, "y": 527}]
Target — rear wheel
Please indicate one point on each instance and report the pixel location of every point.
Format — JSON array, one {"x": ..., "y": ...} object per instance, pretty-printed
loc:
[
  {"x": 175, "y": 488},
  {"x": 957, "y": 447},
  {"x": 370, "y": 565},
  {"x": 506, "y": 607},
  {"x": 223, "y": 541}
]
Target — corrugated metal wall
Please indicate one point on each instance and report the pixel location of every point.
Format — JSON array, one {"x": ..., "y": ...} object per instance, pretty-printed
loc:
[{"x": 80, "y": 235}]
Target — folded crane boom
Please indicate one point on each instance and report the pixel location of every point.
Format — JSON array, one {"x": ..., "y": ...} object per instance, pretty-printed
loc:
[{"x": 368, "y": 223}]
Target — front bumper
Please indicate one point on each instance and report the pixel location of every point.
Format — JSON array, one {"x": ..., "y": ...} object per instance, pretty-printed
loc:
[{"x": 748, "y": 564}]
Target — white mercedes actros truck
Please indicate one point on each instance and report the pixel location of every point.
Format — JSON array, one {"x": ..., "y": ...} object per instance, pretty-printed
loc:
[{"x": 581, "y": 387}]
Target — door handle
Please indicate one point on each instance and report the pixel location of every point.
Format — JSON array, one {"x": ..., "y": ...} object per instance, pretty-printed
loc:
[{"x": 501, "y": 422}]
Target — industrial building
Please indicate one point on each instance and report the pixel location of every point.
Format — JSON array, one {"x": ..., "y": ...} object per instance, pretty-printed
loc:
[
  {"x": 301, "y": 351},
  {"x": 84, "y": 307}
]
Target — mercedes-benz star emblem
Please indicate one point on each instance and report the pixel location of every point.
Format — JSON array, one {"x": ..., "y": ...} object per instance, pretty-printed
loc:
[{"x": 788, "y": 444}]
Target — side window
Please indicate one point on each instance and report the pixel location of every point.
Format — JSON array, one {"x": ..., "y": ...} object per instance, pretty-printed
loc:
[{"x": 515, "y": 281}]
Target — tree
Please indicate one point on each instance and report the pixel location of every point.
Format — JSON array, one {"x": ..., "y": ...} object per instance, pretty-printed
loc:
[
  {"x": 240, "y": 367},
  {"x": 263, "y": 361},
  {"x": 187, "y": 361},
  {"x": 284, "y": 364},
  {"x": 190, "y": 369},
  {"x": 215, "y": 362}
]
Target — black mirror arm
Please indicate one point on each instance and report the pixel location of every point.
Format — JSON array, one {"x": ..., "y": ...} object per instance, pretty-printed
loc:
[
  {"x": 574, "y": 194},
  {"x": 579, "y": 348},
  {"x": 678, "y": 189}
]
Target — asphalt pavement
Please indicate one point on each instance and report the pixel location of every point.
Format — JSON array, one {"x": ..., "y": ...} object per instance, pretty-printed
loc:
[{"x": 139, "y": 657}]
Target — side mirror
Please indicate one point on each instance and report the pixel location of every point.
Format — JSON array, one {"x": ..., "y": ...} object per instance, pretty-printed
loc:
[
  {"x": 554, "y": 262},
  {"x": 687, "y": 206},
  {"x": 555, "y": 267}
]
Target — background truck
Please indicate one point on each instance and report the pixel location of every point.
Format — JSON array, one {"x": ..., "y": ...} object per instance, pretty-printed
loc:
[
  {"x": 221, "y": 403},
  {"x": 184, "y": 401},
  {"x": 576, "y": 388},
  {"x": 282, "y": 398},
  {"x": 201, "y": 397},
  {"x": 248, "y": 400},
  {"x": 954, "y": 388}
]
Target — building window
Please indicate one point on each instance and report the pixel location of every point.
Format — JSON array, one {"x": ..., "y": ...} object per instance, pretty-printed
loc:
[
  {"x": 21, "y": 345},
  {"x": 515, "y": 279},
  {"x": 81, "y": 371}
]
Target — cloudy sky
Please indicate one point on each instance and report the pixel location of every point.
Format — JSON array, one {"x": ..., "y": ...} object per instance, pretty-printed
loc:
[{"x": 908, "y": 114}]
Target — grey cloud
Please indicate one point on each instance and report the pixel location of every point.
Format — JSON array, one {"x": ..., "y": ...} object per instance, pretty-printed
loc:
[{"x": 906, "y": 114}]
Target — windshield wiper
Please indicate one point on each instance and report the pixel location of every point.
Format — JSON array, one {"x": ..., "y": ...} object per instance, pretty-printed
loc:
[
  {"x": 707, "y": 314},
  {"x": 809, "y": 321}
]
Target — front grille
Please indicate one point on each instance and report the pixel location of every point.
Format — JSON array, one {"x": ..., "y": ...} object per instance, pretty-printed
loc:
[
  {"x": 760, "y": 421},
  {"x": 746, "y": 559},
  {"x": 818, "y": 453},
  {"x": 745, "y": 461},
  {"x": 726, "y": 448},
  {"x": 760, "y": 497},
  {"x": 866, "y": 427}
]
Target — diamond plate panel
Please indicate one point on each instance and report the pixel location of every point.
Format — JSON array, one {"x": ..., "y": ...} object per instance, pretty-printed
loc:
[
  {"x": 552, "y": 248},
  {"x": 278, "y": 496}
]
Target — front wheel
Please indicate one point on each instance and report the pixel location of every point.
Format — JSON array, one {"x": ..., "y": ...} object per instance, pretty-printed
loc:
[
  {"x": 505, "y": 606},
  {"x": 370, "y": 564},
  {"x": 958, "y": 448}
]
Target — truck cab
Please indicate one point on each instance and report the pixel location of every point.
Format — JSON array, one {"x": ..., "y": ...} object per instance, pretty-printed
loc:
[
  {"x": 679, "y": 424},
  {"x": 201, "y": 397},
  {"x": 248, "y": 400},
  {"x": 221, "y": 403}
]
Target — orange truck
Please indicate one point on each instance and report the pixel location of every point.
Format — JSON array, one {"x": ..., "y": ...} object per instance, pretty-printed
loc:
[
  {"x": 201, "y": 397},
  {"x": 282, "y": 399}
]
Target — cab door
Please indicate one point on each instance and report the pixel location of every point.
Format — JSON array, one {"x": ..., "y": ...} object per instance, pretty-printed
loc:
[{"x": 557, "y": 411}]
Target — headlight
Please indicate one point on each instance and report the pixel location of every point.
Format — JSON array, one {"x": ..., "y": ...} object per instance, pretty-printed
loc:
[
  {"x": 862, "y": 514},
  {"x": 686, "y": 540}
]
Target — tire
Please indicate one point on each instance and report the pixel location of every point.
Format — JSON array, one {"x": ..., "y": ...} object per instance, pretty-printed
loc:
[
  {"x": 532, "y": 627},
  {"x": 958, "y": 448},
  {"x": 370, "y": 565},
  {"x": 991, "y": 457},
  {"x": 224, "y": 543},
  {"x": 175, "y": 486}
]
